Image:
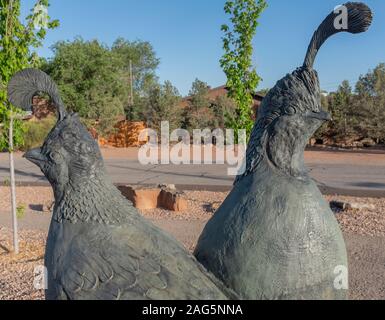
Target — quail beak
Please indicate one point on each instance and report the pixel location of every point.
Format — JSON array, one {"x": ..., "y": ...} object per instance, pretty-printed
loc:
[
  {"x": 322, "y": 115},
  {"x": 35, "y": 156}
]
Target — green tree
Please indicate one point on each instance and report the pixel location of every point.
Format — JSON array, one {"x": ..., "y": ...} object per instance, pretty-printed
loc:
[
  {"x": 139, "y": 68},
  {"x": 95, "y": 80},
  {"x": 357, "y": 115},
  {"x": 199, "y": 113},
  {"x": 323, "y": 131},
  {"x": 199, "y": 95},
  {"x": 372, "y": 84},
  {"x": 16, "y": 41},
  {"x": 142, "y": 57},
  {"x": 89, "y": 77},
  {"x": 163, "y": 105},
  {"x": 340, "y": 109},
  {"x": 370, "y": 104},
  {"x": 242, "y": 78},
  {"x": 223, "y": 107}
]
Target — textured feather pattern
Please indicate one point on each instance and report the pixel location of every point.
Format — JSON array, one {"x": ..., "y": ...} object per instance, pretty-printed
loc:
[
  {"x": 298, "y": 92},
  {"x": 359, "y": 19},
  {"x": 25, "y": 84},
  {"x": 99, "y": 246},
  {"x": 110, "y": 252},
  {"x": 93, "y": 201},
  {"x": 106, "y": 263}
]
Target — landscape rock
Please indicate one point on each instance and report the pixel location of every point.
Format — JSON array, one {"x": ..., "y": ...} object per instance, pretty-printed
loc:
[
  {"x": 145, "y": 198},
  {"x": 344, "y": 206},
  {"x": 142, "y": 198},
  {"x": 167, "y": 186},
  {"x": 367, "y": 142},
  {"x": 173, "y": 201}
]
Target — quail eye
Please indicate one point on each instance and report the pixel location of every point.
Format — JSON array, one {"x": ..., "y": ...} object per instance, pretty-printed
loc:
[
  {"x": 290, "y": 110},
  {"x": 54, "y": 156}
]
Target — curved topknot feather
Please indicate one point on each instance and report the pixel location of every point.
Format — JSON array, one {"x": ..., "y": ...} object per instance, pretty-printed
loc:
[
  {"x": 359, "y": 20},
  {"x": 25, "y": 84}
]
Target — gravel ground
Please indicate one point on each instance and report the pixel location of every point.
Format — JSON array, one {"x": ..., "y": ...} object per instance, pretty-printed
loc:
[
  {"x": 364, "y": 232},
  {"x": 17, "y": 272},
  {"x": 369, "y": 221},
  {"x": 202, "y": 204}
]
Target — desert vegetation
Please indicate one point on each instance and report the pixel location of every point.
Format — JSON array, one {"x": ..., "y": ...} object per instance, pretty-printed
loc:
[{"x": 358, "y": 113}]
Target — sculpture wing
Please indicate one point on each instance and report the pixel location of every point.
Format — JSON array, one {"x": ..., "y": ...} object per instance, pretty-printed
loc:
[{"x": 129, "y": 264}]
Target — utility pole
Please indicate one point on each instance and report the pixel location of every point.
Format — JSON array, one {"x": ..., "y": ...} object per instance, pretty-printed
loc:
[
  {"x": 13, "y": 186},
  {"x": 131, "y": 85}
]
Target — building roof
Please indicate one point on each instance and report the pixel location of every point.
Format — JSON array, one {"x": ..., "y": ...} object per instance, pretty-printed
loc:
[{"x": 218, "y": 92}]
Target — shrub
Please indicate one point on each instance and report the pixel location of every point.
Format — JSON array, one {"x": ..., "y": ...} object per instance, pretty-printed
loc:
[
  {"x": 20, "y": 211},
  {"x": 162, "y": 105},
  {"x": 198, "y": 114},
  {"x": 37, "y": 131}
]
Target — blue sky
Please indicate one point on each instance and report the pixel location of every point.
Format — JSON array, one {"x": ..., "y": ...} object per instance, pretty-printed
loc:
[{"x": 187, "y": 38}]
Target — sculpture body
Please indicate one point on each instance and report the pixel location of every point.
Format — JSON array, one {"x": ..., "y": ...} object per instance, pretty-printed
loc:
[
  {"x": 275, "y": 237},
  {"x": 99, "y": 247}
]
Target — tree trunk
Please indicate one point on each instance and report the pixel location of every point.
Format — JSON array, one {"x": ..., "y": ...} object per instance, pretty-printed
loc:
[{"x": 13, "y": 187}]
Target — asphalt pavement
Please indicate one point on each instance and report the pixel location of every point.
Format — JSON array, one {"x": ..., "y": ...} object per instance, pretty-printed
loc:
[{"x": 364, "y": 178}]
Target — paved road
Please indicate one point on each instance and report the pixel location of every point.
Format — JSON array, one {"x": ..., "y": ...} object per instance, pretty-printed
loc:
[{"x": 354, "y": 175}]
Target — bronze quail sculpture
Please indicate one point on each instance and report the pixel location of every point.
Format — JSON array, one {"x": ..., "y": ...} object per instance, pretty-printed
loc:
[
  {"x": 275, "y": 237},
  {"x": 98, "y": 246}
]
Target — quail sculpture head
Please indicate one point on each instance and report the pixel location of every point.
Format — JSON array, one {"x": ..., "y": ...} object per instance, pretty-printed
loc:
[
  {"x": 69, "y": 153},
  {"x": 291, "y": 111}
]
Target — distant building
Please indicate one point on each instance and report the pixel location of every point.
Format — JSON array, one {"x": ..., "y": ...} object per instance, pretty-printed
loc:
[
  {"x": 41, "y": 108},
  {"x": 220, "y": 92}
]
